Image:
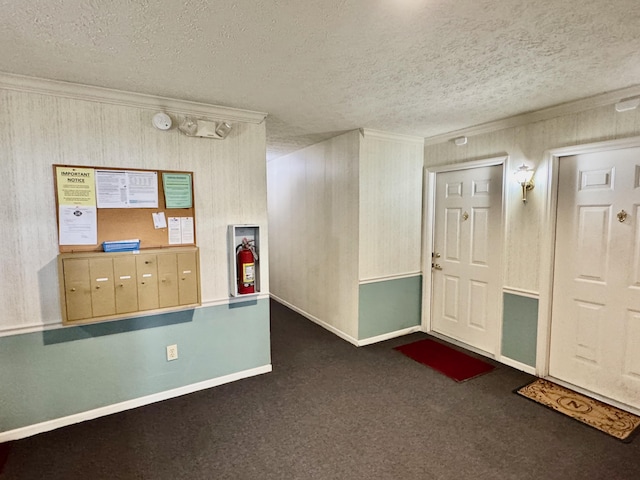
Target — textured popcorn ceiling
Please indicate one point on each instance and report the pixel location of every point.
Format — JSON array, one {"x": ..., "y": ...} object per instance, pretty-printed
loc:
[{"x": 320, "y": 67}]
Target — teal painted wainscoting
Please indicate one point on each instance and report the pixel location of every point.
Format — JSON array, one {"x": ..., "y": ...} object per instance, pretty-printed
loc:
[
  {"x": 57, "y": 373},
  {"x": 520, "y": 328},
  {"x": 388, "y": 306}
]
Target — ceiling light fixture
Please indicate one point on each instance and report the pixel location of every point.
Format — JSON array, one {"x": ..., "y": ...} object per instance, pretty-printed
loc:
[{"x": 627, "y": 104}]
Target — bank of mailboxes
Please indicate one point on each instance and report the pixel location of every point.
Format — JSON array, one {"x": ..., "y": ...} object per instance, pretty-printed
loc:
[{"x": 103, "y": 286}]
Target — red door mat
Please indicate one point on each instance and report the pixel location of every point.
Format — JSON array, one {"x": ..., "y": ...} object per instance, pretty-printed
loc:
[{"x": 453, "y": 363}]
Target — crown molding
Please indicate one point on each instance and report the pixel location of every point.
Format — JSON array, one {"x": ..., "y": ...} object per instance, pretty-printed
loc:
[
  {"x": 608, "y": 98},
  {"x": 110, "y": 96},
  {"x": 397, "y": 137}
]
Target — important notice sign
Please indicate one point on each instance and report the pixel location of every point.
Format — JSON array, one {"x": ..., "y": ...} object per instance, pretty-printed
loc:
[{"x": 76, "y": 186}]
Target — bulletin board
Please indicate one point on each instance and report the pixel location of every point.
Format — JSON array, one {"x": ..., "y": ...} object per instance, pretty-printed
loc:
[{"x": 115, "y": 223}]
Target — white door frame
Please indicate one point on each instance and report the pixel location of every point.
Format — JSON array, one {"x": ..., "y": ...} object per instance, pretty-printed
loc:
[
  {"x": 428, "y": 230},
  {"x": 547, "y": 253}
]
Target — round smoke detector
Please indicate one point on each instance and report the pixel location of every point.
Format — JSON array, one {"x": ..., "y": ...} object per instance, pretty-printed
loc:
[{"x": 162, "y": 121}]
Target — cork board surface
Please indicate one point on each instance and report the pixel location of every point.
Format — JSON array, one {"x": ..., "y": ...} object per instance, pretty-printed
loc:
[{"x": 127, "y": 223}]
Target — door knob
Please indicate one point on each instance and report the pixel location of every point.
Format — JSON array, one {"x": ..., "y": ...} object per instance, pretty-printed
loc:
[
  {"x": 622, "y": 216},
  {"x": 435, "y": 255}
]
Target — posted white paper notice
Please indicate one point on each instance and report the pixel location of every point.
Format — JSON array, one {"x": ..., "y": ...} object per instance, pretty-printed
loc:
[
  {"x": 78, "y": 225},
  {"x": 175, "y": 231},
  {"x": 143, "y": 189},
  {"x": 159, "y": 220},
  {"x": 186, "y": 225},
  {"x": 111, "y": 189},
  {"x": 181, "y": 230},
  {"x": 126, "y": 189}
]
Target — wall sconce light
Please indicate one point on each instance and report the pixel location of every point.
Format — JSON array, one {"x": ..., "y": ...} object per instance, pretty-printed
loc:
[
  {"x": 524, "y": 176},
  {"x": 460, "y": 141},
  {"x": 204, "y": 128}
]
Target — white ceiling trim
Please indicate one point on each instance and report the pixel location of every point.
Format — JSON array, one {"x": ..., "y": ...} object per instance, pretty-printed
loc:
[
  {"x": 568, "y": 108},
  {"x": 392, "y": 136},
  {"x": 130, "y": 99}
]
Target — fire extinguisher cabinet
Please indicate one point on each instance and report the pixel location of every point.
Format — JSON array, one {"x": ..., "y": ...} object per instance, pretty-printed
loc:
[{"x": 243, "y": 244}]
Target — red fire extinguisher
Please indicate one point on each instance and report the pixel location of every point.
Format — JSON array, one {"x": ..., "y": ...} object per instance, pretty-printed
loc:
[{"x": 247, "y": 256}]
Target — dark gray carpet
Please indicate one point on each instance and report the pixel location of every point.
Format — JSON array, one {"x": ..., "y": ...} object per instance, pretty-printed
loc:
[{"x": 330, "y": 410}]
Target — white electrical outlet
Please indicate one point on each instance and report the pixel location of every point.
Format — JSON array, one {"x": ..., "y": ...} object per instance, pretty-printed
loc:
[{"x": 172, "y": 352}]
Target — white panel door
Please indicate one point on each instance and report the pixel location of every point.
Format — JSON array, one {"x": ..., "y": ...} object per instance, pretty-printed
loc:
[
  {"x": 595, "y": 324},
  {"x": 467, "y": 256}
]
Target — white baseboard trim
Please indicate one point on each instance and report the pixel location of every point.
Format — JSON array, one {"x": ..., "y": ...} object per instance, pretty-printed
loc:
[
  {"x": 30, "y": 430},
  {"x": 314, "y": 319},
  {"x": 517, "y": 365},
  {"x": 388, "y": 336}
]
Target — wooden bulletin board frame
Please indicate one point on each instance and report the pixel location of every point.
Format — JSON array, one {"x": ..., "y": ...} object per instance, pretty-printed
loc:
[{"x": 128, "y": 223}]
